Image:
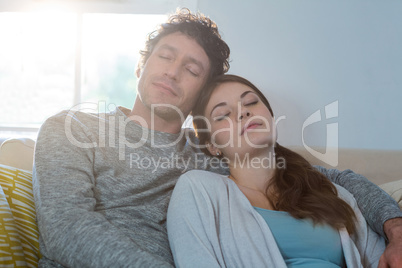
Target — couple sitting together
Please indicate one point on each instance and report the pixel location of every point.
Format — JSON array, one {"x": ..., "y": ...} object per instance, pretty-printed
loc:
[
  {"x": 265, "y": 206},
  {"x": 274, "y": 209}
]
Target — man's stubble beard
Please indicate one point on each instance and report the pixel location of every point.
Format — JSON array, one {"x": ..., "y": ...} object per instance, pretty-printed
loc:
[{"x": 167, "y": 113}]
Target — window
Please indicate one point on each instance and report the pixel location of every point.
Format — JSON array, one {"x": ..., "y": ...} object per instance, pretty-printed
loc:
[
  {"x": 53, "y": 60},
  {"x": 37, "y": 55},
  {"x": 110, "y": 57}
]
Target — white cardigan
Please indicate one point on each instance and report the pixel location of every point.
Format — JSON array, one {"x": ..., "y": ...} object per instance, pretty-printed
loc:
[{"x": 212, "y": 224}]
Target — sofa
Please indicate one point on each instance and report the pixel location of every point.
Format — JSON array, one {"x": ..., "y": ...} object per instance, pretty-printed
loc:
[{"x": 18, "y": 231}]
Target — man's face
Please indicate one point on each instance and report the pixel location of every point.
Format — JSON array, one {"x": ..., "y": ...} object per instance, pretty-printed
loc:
[{"x": 173, "y": 75}]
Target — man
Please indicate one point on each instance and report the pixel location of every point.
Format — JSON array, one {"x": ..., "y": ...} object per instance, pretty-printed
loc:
[{"x": 102, "y": 182}]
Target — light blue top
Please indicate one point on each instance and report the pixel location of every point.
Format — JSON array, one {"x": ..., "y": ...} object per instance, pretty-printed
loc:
[
  {"x": 302, "y": 243},
  {"x": 211, "y": 223}
]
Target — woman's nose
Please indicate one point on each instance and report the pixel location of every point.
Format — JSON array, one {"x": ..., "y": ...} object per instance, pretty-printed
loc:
[{"x": 244, "y": 114}]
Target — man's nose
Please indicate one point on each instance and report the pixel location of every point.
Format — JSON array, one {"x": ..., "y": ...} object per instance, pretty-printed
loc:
[{"x": 173, "y": 70}]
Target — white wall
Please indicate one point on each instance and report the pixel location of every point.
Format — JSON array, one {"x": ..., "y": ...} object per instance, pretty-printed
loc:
[
  {"x": 307, "y": 54},
  {"x": 304, "y": 55}
]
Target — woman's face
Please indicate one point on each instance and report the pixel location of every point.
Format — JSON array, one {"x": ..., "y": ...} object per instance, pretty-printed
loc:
[{"x": 240, "y": 121}]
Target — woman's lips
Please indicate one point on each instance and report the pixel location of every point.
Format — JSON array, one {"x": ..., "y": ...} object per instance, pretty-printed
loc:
[{"x": 252, "y": 125}]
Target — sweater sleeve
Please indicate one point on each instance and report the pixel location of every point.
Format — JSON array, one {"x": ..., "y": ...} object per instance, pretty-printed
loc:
[
  {"x": 190, "y": 228},
  {"x": 376, "y": 205},
  {"x": 369, "y": 244},
  {"x": 72, "y": 233}
]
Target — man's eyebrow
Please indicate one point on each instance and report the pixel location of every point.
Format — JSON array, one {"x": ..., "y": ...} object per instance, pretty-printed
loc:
[
  {"x": 190, "y": 59},
  {"x": 167, "y": 46},
  {"x": 216, "y": 106}
]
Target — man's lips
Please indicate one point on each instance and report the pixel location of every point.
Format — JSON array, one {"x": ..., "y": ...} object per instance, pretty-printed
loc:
[
  {"x": 166, "y": 87},
  {"x": 249, "y": 126}
]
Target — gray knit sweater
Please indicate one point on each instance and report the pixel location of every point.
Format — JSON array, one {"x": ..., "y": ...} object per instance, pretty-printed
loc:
[
  {"x": 102, "y": 185},
  {"x": 102, "y": 193}
]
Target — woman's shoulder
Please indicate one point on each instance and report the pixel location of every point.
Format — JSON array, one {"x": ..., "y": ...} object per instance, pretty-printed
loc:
[
  {"x": 202, "y": 178},
  {"x": 199, "y": 189}
]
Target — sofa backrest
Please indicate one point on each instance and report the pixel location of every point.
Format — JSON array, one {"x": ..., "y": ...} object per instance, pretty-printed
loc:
[
  {"x": 17, "y": 153},
  {"x": 379, "y": 166}
]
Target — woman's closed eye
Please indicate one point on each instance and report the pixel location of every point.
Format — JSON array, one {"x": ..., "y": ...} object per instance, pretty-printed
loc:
[
  {"x": 221, "y": 117},
  {"x": 250, "y": 102},
  {"x": 249, "y": 99}
]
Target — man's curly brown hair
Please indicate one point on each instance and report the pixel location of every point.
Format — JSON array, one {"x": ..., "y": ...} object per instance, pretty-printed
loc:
[{"x": 199, "y": 27}]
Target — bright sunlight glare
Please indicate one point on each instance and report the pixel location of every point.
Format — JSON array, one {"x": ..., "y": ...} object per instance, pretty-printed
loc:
[{"x": 38, "y": 57}]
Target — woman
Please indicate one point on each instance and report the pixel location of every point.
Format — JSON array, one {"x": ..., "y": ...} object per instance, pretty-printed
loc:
[{"x": 274, "y": 209}]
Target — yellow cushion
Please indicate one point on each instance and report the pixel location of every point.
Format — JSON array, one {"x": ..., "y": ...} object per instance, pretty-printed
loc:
[{"x": 19, "y": 236}]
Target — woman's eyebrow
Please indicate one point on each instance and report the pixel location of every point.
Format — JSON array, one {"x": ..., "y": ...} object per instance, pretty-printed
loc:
[
  {"x": 245, "y": 93},
  {"x": 218, "y": 105}
]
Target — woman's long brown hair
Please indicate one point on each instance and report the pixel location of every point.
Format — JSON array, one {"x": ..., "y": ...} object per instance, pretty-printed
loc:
[{"x": 297, "y": 188}]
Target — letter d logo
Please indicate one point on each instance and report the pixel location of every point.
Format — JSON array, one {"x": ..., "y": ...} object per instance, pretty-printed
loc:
[{"x": 330, "y": 156}]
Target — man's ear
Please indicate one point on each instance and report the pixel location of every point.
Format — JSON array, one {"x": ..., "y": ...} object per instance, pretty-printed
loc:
[
  {"x": 212, "y": 149},
  {"x": 138, "y": 72}
]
